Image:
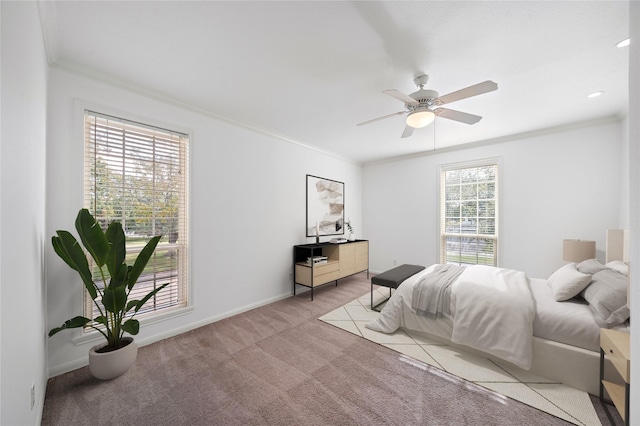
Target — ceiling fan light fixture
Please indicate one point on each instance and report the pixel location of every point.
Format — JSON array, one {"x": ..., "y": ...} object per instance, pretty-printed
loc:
[{"x": 421, "y": 117}]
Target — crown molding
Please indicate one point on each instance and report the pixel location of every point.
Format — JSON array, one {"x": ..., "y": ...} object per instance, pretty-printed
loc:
[
  {"x": 49, "y": 25},
  {"x": 100, "y": 77},
  {"x": 507, "y": 138}
]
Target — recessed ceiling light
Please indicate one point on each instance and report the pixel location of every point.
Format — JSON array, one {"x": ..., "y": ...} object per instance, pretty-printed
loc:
[
  {"x": 595, "y": 94},
  {"x": 624, "y": 42}
]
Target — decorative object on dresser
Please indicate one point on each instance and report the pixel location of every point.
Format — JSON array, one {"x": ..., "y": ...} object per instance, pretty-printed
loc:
[
  {"x": 325, "y": 207},
  {"x": 352, "y": 235},
  {"x": 578, "y": 250},
  {"x": 615, "y": 345},
  {"x": 335, "y": 261}
]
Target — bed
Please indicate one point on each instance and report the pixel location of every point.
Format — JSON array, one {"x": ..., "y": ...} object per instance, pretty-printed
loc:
[{"x": 550, "y": 327}]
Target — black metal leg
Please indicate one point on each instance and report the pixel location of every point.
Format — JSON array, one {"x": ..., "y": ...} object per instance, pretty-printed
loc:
[
  {"x": 375, "y": 308},
  {"x": 601, "y": 374},
  {"x": 605, "y": 406},
  {"x": 371, "y": 296},
  {"x": 626, "y": 404}
]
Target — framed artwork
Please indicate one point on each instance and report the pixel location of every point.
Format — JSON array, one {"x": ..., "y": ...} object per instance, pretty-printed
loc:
[{"x": 325, "y": 206}]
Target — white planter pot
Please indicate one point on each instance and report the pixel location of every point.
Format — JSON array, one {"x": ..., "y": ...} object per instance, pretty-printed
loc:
[
  {"x": 109, "y": 365},
  {"x": 352, "y": 237}
]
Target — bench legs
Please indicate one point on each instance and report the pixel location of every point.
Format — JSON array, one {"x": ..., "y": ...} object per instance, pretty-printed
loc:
[{"x": 375, "y": 308}]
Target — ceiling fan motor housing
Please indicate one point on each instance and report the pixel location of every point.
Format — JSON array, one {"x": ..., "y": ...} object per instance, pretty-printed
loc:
[
  {"x": 423, "y": 95},
  {"x": 425, "y": 98}
]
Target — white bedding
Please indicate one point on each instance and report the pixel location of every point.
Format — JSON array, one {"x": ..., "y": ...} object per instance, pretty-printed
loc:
[
  {"x": 492, "y": 310},
  {"x": 570, "y": 322}
]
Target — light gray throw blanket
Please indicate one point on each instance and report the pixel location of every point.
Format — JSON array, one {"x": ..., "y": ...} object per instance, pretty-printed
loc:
[{"x": 432, "y": 294}]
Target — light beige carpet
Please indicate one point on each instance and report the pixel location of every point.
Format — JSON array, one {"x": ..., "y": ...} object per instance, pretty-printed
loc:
[{"x": 503, "y": 378}]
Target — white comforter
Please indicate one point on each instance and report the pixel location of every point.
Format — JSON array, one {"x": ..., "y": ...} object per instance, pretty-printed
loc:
[{"x": 492, "y": 310}]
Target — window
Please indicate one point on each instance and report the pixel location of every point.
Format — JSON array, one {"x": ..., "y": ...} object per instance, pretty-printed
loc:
[
  {"x": 138, "y": 175},
  {"x": 469, "y": 213}
]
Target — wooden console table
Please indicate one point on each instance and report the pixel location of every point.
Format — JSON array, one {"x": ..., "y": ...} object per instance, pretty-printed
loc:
[{"x": 343, "y": 259}]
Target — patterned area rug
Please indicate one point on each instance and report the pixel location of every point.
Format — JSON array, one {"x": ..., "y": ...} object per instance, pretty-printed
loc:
[{"x": 505, "y": 379}]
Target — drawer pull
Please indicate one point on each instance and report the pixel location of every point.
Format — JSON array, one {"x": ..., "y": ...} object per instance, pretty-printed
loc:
[{"x": 610, "y": 351}]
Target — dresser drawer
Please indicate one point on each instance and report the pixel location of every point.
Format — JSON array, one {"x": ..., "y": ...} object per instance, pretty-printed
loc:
[
  {"x": 322, "y": 273},
  {"x": 325, "y": 278},
  {"x": 325, "y": 268}
]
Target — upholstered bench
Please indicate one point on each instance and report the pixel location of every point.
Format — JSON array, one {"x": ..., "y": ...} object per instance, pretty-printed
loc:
[{"x": 392, "y": 279}]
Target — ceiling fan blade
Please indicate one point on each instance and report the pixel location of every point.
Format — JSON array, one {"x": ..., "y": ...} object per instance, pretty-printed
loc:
[
  {"x": 475, "y": 90},
  {"x": 408, "y": 131},
  {"x": 400, "y": 96},
  {"x": 381, "y": 118},
  {"x": 462, "y": 117}
]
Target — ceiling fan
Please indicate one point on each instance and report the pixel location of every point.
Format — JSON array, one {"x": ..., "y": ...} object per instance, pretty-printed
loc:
[{"x": 424, "y": 105}]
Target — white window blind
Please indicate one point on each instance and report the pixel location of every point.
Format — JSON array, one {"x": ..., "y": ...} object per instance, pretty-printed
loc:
[
  {"x": 138, "y": 175},
  {"x": 469, "y": 213}
]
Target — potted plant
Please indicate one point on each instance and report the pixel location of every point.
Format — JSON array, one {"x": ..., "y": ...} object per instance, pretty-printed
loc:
[{"x": 112, "y": 289}]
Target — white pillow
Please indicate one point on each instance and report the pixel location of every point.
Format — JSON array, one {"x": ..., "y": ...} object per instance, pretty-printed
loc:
[
  {"x": 619, "y": 266},
  {"x": 590, "y": 266},
  {"x": 607, "y": 297},
  {"x": 568, "y": 282}
]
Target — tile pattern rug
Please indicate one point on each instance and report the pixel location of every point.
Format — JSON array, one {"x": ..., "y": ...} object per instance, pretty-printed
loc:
[{"x": 505, "y": 379}]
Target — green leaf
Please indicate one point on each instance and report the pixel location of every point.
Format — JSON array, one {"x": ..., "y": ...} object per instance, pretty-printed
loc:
[
  {"x": 142, "y": 260},
  {"x": 120, "y": 277},
  {"x": 60, "y": 251},
  {"x": 92, "y": 237},
  {"x": 114, "y": 298},
  {"x": 72, "y": 254},
  {"x": 101, "y": 320},
  {"x": 117, "y": 253},
  {"x": 131, "y": 304},
  {"x": 149, "y": 296},
  {"x": 75, "y": 322},
  {"x": 131, "y": 326}
]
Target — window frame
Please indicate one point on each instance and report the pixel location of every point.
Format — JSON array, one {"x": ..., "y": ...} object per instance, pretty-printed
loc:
[
  {"x": 442, "y": 169},
  {"x": 84, "y": 336}
]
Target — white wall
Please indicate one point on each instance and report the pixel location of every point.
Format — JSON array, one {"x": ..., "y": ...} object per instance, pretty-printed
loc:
[
  {"x": 556, "y": 184},
  {"x": 23, "y": 145},
  {"x": 247, "y": 209}
]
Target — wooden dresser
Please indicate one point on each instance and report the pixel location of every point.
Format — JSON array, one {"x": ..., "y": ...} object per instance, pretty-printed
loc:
[{"x": 338, "y": 261}]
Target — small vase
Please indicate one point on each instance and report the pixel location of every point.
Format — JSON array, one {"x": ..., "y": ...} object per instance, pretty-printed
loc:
[
  {"x": 109, "y": 365},
  {"x": 352, "y": 237}
]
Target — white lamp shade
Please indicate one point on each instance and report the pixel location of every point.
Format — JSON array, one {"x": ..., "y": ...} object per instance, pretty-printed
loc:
[
  {"x": 578, "y": 250},
  {"x": 421, "y": 117}
]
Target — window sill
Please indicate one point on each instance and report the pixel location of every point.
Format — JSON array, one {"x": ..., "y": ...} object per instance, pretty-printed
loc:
[{"x": 94, "y": 336}]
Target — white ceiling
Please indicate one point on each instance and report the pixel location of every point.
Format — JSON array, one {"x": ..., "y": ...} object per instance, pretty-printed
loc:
[{"x": 309, "y": 71}]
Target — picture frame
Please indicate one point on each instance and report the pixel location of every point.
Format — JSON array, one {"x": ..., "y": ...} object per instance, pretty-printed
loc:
[{"x": 325, "y": 207}]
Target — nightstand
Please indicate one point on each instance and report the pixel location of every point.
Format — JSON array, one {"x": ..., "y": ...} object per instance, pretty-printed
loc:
[{"x": 616, "y": 346}]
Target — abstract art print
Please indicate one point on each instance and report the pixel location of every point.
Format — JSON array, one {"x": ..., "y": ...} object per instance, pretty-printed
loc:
[{"x": 325, "y": 206}]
